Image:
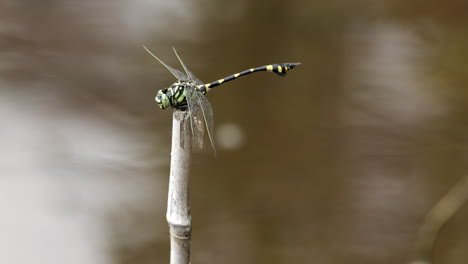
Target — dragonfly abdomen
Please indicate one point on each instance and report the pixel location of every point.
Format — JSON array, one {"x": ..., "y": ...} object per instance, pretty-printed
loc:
[{"x": 280, "y": 69}]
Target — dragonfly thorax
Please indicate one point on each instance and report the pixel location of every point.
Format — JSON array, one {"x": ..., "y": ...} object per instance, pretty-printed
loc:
[{"x": 174, "y": 96}]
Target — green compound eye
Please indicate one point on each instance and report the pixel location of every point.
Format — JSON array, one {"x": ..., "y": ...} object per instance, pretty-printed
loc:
[{"x": 162, "y": 100}]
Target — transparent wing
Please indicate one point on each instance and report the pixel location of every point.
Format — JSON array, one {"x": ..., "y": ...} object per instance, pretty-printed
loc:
[
  {"x": 195, "y": 79},
  {"x": 196, "y": 116},
  {"x": 178, "y": 74},
  {"x": 190, "y": 75},
  {"x": 207, "y": 111}
]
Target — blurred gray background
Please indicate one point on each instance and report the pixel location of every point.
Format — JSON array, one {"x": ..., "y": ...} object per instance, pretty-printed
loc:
[{"x": 338, "y": 162}]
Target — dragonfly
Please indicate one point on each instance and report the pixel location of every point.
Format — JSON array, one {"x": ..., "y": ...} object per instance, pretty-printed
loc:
[{"x": 188, "y": 94}]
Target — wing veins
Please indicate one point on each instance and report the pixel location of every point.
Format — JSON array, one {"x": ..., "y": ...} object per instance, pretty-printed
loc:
[
  {"x": 202, "y": 101},
  {"x": 190, "y": 75},
  {"x": 178, "y": 74}
]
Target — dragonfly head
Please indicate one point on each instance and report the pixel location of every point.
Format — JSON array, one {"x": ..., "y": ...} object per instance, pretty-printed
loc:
[{"x": 162, "y": 99}]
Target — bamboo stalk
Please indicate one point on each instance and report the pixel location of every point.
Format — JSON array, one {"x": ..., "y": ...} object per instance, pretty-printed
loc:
[
  {"x": 437, "y": 217},
  {"x": 178, "y": 203}
]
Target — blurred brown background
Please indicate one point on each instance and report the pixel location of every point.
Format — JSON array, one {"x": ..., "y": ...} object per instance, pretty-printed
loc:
[{"x": 338, "y": 162}]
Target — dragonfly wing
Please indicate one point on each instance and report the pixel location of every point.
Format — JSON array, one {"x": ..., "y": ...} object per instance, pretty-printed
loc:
[
  {"x": 190, "y": 75},
  {"x": 178, "y": 74},
  {"x": 196, "y": 116},
  {"x": 195, "y": 79},
  {"x": 207, "y": 112}
]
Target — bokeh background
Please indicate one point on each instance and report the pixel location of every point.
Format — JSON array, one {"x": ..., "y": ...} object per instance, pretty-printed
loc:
[{"x": 339, "y": 162}]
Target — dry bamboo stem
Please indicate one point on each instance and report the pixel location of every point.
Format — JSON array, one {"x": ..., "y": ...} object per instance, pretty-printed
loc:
[
  {"x": 445, "y": 209},
  {"x": 178, "y": 203}
]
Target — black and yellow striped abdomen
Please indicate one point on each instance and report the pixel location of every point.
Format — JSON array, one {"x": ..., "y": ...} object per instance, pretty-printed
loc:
[{"x": 280, "y": 69}]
